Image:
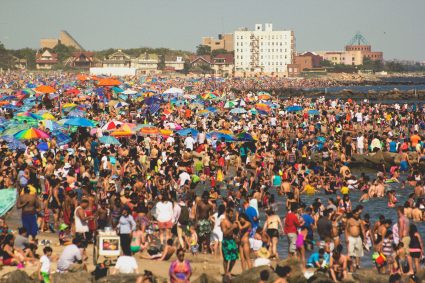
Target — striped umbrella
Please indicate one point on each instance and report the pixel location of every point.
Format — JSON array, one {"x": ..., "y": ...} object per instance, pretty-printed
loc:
[
  {"x": 149, "y": 131},
  {"x": 31, "y": 133}
]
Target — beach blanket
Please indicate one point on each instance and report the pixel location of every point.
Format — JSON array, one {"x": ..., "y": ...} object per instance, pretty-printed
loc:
[{"x": 7, "y": 200}]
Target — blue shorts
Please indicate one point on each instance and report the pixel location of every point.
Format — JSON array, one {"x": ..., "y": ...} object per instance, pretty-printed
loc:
[{"x": 29, "y": 222}]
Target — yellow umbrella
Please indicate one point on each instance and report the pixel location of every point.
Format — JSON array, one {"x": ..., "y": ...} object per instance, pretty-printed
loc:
[
  {"x": 165, "y": 132},
  {"x": 48, "y": 116}
]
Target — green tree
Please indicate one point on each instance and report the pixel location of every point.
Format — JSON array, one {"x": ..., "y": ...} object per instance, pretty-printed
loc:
[
  {"x": 219, "y": 51},
  {"x": 161, "y": 64},
  {"x": 26, "y": 53},
  {"x": 63, "y": 51},
  {"x": 203, "y": 50},
  {"x": 187, "y": 67},
  {"x": 6, "y": 61}
]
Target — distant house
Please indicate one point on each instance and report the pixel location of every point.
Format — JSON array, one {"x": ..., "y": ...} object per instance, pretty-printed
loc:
[
  {"x": 81, "y": 60},
  {"x": 221, "y": 64},
  {"x": 118, "y": 59},
  {"x": 174, "y": 63},
  {"x": 146, "y": 63},
  {"x": 45, "y": 59}
]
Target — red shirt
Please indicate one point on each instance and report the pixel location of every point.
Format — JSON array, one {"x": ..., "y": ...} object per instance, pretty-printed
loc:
[{"x": 291, "y": 223}]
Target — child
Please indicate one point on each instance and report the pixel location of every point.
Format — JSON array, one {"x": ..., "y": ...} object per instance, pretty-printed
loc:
[
  {"x": 302, "y": 235},
  {"x": 194, "y": 247},
  {"x": 65, "y": 237},
  {"x": 44, "y": 265}
]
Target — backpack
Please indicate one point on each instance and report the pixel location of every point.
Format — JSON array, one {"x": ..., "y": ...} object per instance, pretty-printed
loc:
[{"x": 184, "y": 216}]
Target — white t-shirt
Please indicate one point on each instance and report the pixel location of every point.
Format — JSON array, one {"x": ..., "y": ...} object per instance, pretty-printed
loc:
[
  {"x": 45, "y": 264},
  {"x": 188, "y": 143},
  {"x": 164, "y": 211},
  {"x": 359, "y": 117},
  {"x": 360, "y": 142},
  {"x": 126, "y": 264},
  {"x": 183, "y": 177},
  {"x": 70, "y": 254},
  {"x": 260, "y": 261}
]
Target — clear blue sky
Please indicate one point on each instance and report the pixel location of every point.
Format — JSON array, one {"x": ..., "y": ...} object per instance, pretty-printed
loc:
[{"x": 396, "y": 27}]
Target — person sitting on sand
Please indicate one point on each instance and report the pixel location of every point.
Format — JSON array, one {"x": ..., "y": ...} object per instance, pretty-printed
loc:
[
  {"x": 338, "y": 265},
  {"x": 126, "y": 264},
  {"x": 165, "y": 255}
]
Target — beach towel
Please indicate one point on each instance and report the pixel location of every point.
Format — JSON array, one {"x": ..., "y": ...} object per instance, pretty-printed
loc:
[{"x": 7, "y": 200}]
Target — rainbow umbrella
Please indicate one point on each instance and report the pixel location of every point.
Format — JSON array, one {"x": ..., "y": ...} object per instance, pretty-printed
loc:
[
  {"x": 29, "y": 115},
  {"x": 31, "y": 133}
]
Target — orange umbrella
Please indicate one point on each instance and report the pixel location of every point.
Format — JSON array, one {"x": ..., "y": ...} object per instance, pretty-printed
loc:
[
  {"x": 262, "y": 106},
  {"x": 45, "y": 89},
  {"x": 264, "y": 97},
  {"x": 82, "y": 77},
  {"x": 149, "y": 131},
  {"x": 108, "y": 82},
  {"x": 123, "y": 131}
]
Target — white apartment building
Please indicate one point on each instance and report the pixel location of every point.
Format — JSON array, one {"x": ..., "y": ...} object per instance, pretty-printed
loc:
[{"x": 263, "y": 49}]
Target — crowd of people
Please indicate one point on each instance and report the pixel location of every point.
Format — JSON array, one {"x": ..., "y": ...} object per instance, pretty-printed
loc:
[{"x": 208, "y": 167}]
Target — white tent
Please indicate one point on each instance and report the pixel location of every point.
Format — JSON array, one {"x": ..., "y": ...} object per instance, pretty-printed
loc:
[
  {"x": 129, "y": 91},
  {"x": 174, "y": 91}
]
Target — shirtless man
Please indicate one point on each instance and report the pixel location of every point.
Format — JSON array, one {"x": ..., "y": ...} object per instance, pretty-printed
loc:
[
  {"x": 380, "y": 189},
  {"x": 286, "y": 187},
  {"x": 417, "y": 213},
  {"x": 229, "y": 246},
  {"x": 403, "y": 228},
  {"x": 354, "y": 228},
  {"x": 203, "y": 212},
  {"x": 419, "y": 190},
  {"x": 30, "y": 205}
]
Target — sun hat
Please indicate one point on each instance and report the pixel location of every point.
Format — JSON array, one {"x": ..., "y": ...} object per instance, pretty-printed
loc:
[{"x": 263, "y": 252}]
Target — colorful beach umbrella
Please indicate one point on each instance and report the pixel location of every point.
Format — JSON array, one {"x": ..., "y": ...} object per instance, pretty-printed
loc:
[
  {"x": 79, "y": 122},
  {"x": 45, "y": 89},
  {"x": 238, "y": 110},
  {"x": 31, "y": 133},
  {"x": 262, "y": 107},
  {"x": 109, "y": 140},
  {"x": 108, "y": 82},
  {"x": 149, "y": 131}
]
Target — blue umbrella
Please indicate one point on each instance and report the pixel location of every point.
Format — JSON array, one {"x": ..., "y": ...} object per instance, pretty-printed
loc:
[
  {"x": 294, "y": 108},
  {"x": 31, "y": 86},
  {"x": 109, "y": 140},
  {"x": 187, "y": 131},
  {"x": 76, "y": 113},
  {"x": 238, "y": 110},
  {"x": 79, "y": 122},
  {"x": 16, "y": 145},
  {"x": 151, "y": 100},
  {"x": 212, "y": 109},
  {"x": 61, "y": 138},
  {"x": 220, "y": 136},
  {"x": 313, "y": 112},
  {"x": 10, "y": 106},
  {"x": 43, "y": 146},
  {"x": 117, "y": 89}
]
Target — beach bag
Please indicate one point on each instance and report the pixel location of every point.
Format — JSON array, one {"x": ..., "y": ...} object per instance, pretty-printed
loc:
[{"x": 184, "y": 216}]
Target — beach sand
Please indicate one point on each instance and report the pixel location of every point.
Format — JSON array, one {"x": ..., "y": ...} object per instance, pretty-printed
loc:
[{"x": 201, "y": 263}]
